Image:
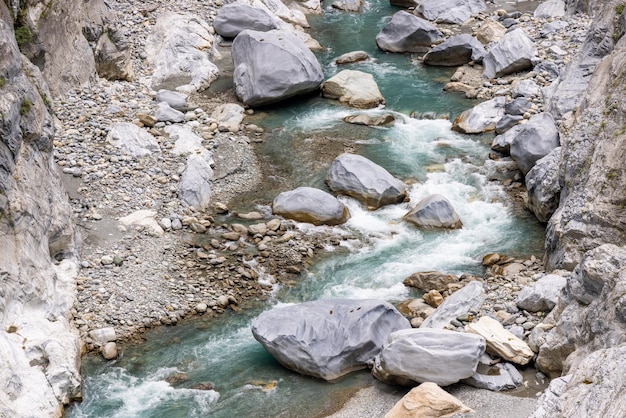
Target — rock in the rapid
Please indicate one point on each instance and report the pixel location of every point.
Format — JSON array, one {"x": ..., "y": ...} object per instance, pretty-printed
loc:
[
  {"x": 514, "y": 52},
  {"x": 469, "y": 298},
  {"x": 228, "y": 117},
  {"x": 236, "y": 17},
  {"x": 434, "y": 212},
  {"x": 307, "y": 204},
  {"x": 174, "y": 99},
  {"x": 450, "y": 11},
  {"x": 534, "y": 140},
  {"x": 366, "y": 181},
  {"x": 543, "y": 183},
  {"x": 348, "y": 5},
  {"x": 427, "y": 400},
  {"x": 259, "y": 81},
  {"x": 352, "y": 57},
  {"x": 496, "y": 377},
  {"x": 132, "y": 140},
  {"x": 541, "y": 295},
  {"x": 481, "y": 118},
  {"x": 407, "y": 33},
  {"x": 109, "y": 351},
  {"x": 455, "y": 51},
  {"x": 490, "y": 31},
  {"x": 195, "y": 187},
  {"x": 428, "y": 355},
  {"x": 354, "y": 88},
  {"x": 430, "y": 280},
  {"x": 327, "y": 338},
  {"x": 500, "y": 341},
  {"x": 112, "y": 54},
  {"x": 104, "y": 335},
  {"x": 178, "y": 49},
  {"x": 164, "y": 113},
  {"x": 550, "y": 9},
  {"x": 370, "y": 120},
  {"x": 145, "y": 219}
]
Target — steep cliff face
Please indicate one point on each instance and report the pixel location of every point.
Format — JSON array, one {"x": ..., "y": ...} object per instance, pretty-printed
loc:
[
  {"x": 592, "y": 209},
  {"x": 39, "y": 365}
]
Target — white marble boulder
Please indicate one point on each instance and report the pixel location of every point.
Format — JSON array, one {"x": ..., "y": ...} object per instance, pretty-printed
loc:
[
  {"x": 500, "y": 341},
  {"x": 534, "y": 140},
  {"x": 481, "y": 118},
  {"x": 273, "y": 66},
  {"x": 307, "y": 204},
  {"x": 407, "y": 33},
  {"x": 174, "y": 99},
  {"x": 514, "y": 52},
  {"x": 354, "y": 88},
  {"x": 455, "y": 51},
  {"x": 543, "y": 183},
  {"x": 364, "y": 180},
  {"x": 234, "y": 18},
  {"x": 427, "y": 401},
  {"x": 434, "y": 212},
  {"x": 428, "y": 355},
  {"x": 132, "y": 140},
  {"x": 450, "y": 11},
  {"x": 195, "y": 181},
  {"x": 542, "y": 295},
  {"x": 550, "y": 9},
  {"x": 327, "y": 338},
  {"x": 470, "y": 297}
]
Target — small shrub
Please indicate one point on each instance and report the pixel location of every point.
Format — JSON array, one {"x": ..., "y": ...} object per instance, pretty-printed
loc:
[
  {"x": 3, "y": 81},
  {"x": 619, "y": 9},
  {"x": 25, "y": 107},
  {"x": 23, "y": 35}
]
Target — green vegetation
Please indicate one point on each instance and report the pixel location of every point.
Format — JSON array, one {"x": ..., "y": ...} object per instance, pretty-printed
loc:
[
  {"x": 3, "y": 81},
  {"x": 619, "y": 9},
  {"x": 23, "y": 35},
  {"x": 46, "y": 100},
  {"x": 25, "y": 106}
]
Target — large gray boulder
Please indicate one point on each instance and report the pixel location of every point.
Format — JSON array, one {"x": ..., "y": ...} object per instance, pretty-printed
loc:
[
  {"x": 470, "y": 297},
  {"x": 366, "y": 181},
  {"x": 178, "y": 49},
  {"x": 132, "y": 140},
  {"x": 454, "y": 51},
  {"x": 541, "y": 295},
  {"x": 481, "y": 118},
  {"x": 428, "y": 355},
  {"x": 496, "y": 377},
  {"x": 327, "y": 338},
  {"x": 407, "y": 33},
  {"x": 450, "y": 11},
  {"x": 543, "y": 183},
  {"x": 234, "y": 18},
  {"x": 306, "y": 204},
  {"x": 273, "y": 66},
  {"x": 354, "y": 88},
  {"x": 514, "y": 52},
  {"x": 550, "y": 8},
  {"x": 502, "y": 142},
  {"x": 434, "y": 212},
  {"x": 174, "y": 99},
  {"x": 195, "y": 181},
  {"x": 348, "y": 5},
  {"x": 535, "y": 140},
  {"x": 165, "y": 113}
]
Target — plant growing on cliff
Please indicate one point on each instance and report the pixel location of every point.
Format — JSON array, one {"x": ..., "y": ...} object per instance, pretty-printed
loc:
[
  {"x": 25, "y": 106},
  {"x": 23, "y": 35},
  {"x": 619, "y": 9},
  {"x": 3, "y": 81}
]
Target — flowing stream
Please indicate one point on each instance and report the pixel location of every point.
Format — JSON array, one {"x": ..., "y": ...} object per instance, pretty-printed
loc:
[{"x": 425, "y": 153}]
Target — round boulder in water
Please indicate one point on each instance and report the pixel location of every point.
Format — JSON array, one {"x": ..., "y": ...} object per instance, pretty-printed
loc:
[
  {"x": 354, "y": 88},
  {"x": 364, "y": 180},
  {"x": 307, "y": 204},
  {"x": 327, "y": 338},
  {"x": 407, "y": 33},
  {"x": 434, "y": 212}
]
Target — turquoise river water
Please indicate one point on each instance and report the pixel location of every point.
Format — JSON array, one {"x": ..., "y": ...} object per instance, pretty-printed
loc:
[{"x": 425, "y": 153}]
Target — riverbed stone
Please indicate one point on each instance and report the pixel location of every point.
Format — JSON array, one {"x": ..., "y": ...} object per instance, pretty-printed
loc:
[
  {"x": 165, "y": 113},
  {"x": 490, "y": 31},
  {"x": 185, "y": 140},
  {"x": 544, "y": 184},
  {"x": 352, "y": 57},
  {"x": 259, "y": 81},
  {"x": 534, "y": 140},
  {"x": 327, "y": 338},
  {"x": 455, "y": 51},
  {"x": 144, "y": 218},
  {"x": 450, "y": 11},
  {"x": 354, "y": 88},
  {"x": 307, "y": 204},
  {"x": 514, "y": 52},
  {"x": 103, "y": 335},
  {"x": 234, "y": 18},
  {"x": 364, "y": 180},
  {"x": 497, "y": 377},
  {"x": 550, "y": 9},
  {"x": 132, "y": 140},
  {"x": 109, "y": 351},
  {"x": 427, "y": 400},
  {"x": 195, "y": 186},
  {"x": 407, "y": 33},
  {"x": 542, "y": 295},
  {"x": 502, "y": 142},
  {"x": 500, "y": 341},
  {"x": 481, "y": 118},
  {"x": 525, "y": 88},
  {"x": 434, "y": 212},
  {"x": 175, "y": 99},
  {"x": 428, "y": 355},
  {"x": 469, "y": 298},
  {"x": 228, "y": 117},
  {"x": 430, "y": 280}
]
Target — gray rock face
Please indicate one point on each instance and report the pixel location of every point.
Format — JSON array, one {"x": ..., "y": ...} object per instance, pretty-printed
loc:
[
  {"x": 273, "y": 66},
  {"x": 234, "y": 18},
  {"x": 471, "y": 296},
  {"x": 428, "y": 355},
  {"x": 518, "y": 106},
  {"x": 306, "y": 204},
  {"x": 514, "y": 52},
  {"x": 132, "y": 140},
  {"x": 178, "y": 49},
  {"x": 550, "y": 8},
  {"x": 534, "y": 140},
  {"x": 450, "y": 11},
  {"x": 549, "y": 402},
  {"x": 481, "y": 118},
  {"x": 541, "y": 295},
  {"x": 407, "y": 33},
  {"x": 354, "y": 88},
  {"x": 366, "y": 181},
  {"x": 327, "y": 338},
  {"x": 174, "y": 99},
  {"x": 195, "y": 186},
  {"x": 507, "y": 122},
  {"x": 454, "y": 51},
  {"x": 543, "y": 183},
  {"x": 112, "y": 55},
  {"x": 496, "y": 377},
  {"x": 502, "y": 143},
  {"x": 434, "y": 212},
  {"x": 525, "y": 88}
]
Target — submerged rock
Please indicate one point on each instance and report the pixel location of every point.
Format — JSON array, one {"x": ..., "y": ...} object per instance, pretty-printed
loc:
[
  {"x": 434, "y": 212},
  {"x": 327, "y": 338},
  {"x": 428, "y": 355},
  {"x": 407, "y": 33},
  {"x": 427, "y": 401},
  {"x": 366, "y": 181},
  {"x": 306, "y": 204},
  {"x": 354, "y": 88},
  {"x": 481, "y": 118}
]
